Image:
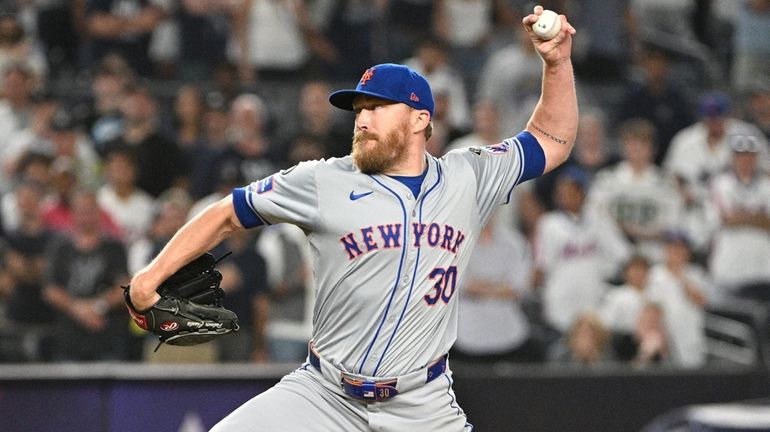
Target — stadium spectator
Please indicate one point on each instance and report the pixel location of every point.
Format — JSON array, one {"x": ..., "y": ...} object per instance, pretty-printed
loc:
[
  {"x": 656, "y": 98},
  {"x": 227, "y": 179},
  {"x": 431, "y": 59},
  {"x": 751, "y": 50},
  {"x": 510, "y": 78},
  {"x": 16, "y": 47},
  {"x": 758, "y": 105},
  {"x": 671, "y": 18},
  {"x": 621, "y": 306},
  {"x": 586, "y": 343},
  {"x": 443, "y": 130},
  {"x": 287, "y": 253},
  {"x": 592, "y": 153},
  {"x": 186, "y": 125},
  {"x": 68, "y": 141},
  {"x": 204, "y": 27},
  {"x": 317, "y": 119},
  {"x": 486, "y": 128},
  {"x": 188, "y": 130},
  {"x": 108, "y": 88},
  {"x": 58, "y": 211},
  {"x": 491, "y": 297},
  {"x": 636, "y": 193},
  {"x": 701, "y": 150},
  {"x": 576, "y": 252},
  {"x": 741, "y": 249},
  {"x": 468, "y": 27},
  {"x": 651, "y": 340},
  {"x": 203, "y": 174},
  {"x": 83, "y": 278},
  {"x": 274, "y": 39},
  {"x": 244, "y": 280},
  {"x": 248, "y": 150},
  {"x": 305, "y": 148},
  {"x": 59, "y": 30},
  {"x": 355, "y": 30},
  {"x": 31, "y": 138},
  {"x": 124, "y": 27},
  {"x": 24, "y": 261},
  {"x": 698, "y": 218},
  {"x": 407, "y": 23},
  {"x": 681, "y": 288},
  {"x": 159, "y": 159},
  {"x": 609, "y": 29},
  {"x": 32, "y": 167},
  {"x": 130, "y": 207},
  {"x": 171, "y": 213},
  {"x": 16, "y": 101}
]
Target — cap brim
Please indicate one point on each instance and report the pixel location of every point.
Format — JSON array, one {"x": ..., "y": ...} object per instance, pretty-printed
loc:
[{"x": 343, "y": 99}]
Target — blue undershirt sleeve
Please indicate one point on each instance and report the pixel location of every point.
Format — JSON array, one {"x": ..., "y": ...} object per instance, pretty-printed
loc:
[
  {"x": 246, "y": 215},
  {"x": 534, "y": 156}
]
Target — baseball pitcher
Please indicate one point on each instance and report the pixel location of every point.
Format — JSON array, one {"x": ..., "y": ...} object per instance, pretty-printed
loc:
[{"x": 391, "y": 230}]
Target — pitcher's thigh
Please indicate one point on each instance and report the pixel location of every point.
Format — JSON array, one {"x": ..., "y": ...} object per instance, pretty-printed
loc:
[
  {"x": 431, "y": 408},
  {"x": 299, "y": 402}
]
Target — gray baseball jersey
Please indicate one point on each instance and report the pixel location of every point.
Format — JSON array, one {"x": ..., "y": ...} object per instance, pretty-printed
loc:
[{"x": 386, "y": 263}]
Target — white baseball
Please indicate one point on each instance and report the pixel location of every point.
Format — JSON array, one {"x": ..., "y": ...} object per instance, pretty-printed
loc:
[{"x": 548, "y": 25}]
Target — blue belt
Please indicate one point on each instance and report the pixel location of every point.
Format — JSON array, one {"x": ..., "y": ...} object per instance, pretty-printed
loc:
[{"x": 376, "y": 391}]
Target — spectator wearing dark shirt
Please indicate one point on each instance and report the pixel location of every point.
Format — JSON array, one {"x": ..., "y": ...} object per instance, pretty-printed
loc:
[
  {"x": 159, "y": 159},
  {"x": 204, "y": 27},
  {"x": 83, "y": 278},
  {"x": 244, "y": 279},
  {"x": 123, "y": 27},
  {"x": 249, "y": 147},
  {"x": 657, "y": 100},
  {"x": 24, "y": 261}
]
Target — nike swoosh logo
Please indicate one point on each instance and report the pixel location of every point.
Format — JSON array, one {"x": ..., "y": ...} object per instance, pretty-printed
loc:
[{"x": 354, "y": 196}]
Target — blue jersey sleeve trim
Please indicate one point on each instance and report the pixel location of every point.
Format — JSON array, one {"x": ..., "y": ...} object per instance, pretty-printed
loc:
[
  {"x": 533, "y": 158},
  {"x": 246, "y": 215}
]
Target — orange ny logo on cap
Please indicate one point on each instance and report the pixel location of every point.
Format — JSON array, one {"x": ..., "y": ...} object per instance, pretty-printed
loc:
[{"x": 369, "y": 74}]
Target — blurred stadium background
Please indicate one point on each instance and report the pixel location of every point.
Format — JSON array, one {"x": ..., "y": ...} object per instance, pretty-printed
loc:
[{"x": 120, "y": 119}]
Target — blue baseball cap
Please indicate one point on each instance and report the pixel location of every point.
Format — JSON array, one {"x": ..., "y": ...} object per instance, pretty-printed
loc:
[
  {"x": 392, "y": 82},
  {"x": 714, "y": 104}
]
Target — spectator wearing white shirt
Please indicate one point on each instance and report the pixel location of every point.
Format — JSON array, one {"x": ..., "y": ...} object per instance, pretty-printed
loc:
[
  {"x": 576, "y": 252},
  {"x": 431, "y": 60},
  {"x": 15, "y": 107},
  {"x": 493, "y": 326},
  {"x": 680, "y": 288},
  {"x": 621, "y": 307},
  {"x": 511, "y": 78},
  {"x": 699, "y": 152},
  {"x": 636, "y": 193},
  {"x": 740, "y": 259},
  {"x": 130, "y": 207}
]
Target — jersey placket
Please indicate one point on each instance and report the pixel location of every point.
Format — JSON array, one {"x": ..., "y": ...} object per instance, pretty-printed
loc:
[{"x": 409, "y": 263}]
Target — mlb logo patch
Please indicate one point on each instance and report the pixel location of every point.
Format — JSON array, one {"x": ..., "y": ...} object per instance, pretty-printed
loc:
[
  {"x": 265, "y": 185},
  {"x": 501, "y": 148}
]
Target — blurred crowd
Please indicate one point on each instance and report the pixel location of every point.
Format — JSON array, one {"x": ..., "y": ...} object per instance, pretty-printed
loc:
[{"x": 122, "y": 119}]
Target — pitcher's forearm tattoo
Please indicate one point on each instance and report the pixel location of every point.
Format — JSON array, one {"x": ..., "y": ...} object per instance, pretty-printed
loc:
[{"x": 558, "y": 140}]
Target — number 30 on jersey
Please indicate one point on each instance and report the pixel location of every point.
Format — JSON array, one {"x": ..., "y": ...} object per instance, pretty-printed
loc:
[{"x": 444, "y": 288}]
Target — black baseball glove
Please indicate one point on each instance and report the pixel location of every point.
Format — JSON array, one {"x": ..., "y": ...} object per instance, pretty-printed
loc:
[{"x": 190, "y": 310}]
